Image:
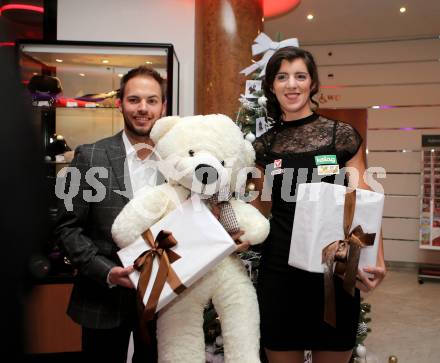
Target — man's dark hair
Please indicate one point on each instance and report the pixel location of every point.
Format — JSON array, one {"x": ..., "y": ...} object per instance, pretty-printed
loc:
[
  {"x": 142, "y": 71},
  {"x": 272, "y": 68}
]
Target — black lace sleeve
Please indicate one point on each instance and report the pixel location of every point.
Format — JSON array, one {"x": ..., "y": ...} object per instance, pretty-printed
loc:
[
  {"x": 261, "y": 148},
  {"x": 348, "y": 141}
]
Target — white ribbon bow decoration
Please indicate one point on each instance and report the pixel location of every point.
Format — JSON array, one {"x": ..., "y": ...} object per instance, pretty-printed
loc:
[{"x": 264, "y": 44}]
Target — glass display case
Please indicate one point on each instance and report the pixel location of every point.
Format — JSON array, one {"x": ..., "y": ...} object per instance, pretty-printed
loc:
[{"x": 73, "y": 86}]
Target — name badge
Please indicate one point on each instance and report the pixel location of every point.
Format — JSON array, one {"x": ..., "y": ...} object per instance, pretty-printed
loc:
[
  {"x": 328, "y": 169},
  {"x": 277, "y": 171},
  {"x": 326, "y": 159}
]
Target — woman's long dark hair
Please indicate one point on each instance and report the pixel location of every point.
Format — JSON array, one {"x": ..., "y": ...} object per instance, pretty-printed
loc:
[{"x": 273, "y": 66}]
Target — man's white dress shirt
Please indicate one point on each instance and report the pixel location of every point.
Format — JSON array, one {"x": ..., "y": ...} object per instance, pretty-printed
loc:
[{"x": 142, "y": 172}]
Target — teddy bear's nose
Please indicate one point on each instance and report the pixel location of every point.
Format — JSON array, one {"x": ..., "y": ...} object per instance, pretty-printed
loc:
[{"x": 206, "y": 174}]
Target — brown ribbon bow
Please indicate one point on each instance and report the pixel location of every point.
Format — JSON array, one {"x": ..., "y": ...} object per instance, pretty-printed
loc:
[
  {"x": 346, "y": 253},
  {"x": 160, "y": 248}
]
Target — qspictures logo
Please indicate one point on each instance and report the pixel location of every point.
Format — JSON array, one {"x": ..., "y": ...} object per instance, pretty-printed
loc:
[{"x": 88, "y": 183}]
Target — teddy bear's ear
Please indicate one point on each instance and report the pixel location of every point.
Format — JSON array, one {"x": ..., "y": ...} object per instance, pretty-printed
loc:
[
  {"x": 162, "y": 126},
  {"x": 249, "y": 153}
]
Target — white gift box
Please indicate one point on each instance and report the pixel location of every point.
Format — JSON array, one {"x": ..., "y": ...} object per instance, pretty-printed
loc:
[
  {"x": 202, "y": 243},
  {"x": 319, "y": 219}
]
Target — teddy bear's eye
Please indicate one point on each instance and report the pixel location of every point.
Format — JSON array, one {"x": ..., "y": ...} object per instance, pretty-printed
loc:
[
  {"x": 191, "y": 153},
  {"x": 222, "y": 162}
]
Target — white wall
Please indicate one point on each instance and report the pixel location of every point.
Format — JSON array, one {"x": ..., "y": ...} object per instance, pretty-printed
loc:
[
  {"x": 394, "y": 142},
  {"x": 138, "y": 21},
  {"x": 398, "y": 73}
]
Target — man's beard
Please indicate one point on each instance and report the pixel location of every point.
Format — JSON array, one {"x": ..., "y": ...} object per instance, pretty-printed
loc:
[{"x": 129, "y": 126}]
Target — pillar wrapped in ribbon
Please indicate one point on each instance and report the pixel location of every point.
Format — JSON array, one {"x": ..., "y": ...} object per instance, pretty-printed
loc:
[
  {"x": 168, "y": 262},
  {"x": 335, "y": 224},
  {"x": 263, "y": 44}
]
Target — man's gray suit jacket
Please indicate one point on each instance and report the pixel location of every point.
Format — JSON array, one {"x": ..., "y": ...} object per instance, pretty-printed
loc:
[{"x": 84, "y": 233}]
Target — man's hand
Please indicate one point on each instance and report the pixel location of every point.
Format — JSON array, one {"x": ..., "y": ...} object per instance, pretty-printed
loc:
[
  {"x": 119, "y": 276},
  {"x": 367, "y": 283},
  {"x": 241, "y": 245}
]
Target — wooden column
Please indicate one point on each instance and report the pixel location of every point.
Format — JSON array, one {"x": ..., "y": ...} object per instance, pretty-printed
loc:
[{"x": 225, "y": 30}]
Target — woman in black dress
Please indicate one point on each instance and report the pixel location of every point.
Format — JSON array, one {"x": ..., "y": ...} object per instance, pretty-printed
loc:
[{"x": 292, "y": 300}]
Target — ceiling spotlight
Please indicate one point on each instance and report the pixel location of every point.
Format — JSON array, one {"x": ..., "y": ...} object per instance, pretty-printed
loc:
[
  {"x": 82, "y": 74},
  {"x": 375, "y": 107},
  {"x": 59, "y": 60},
  {"x": 105, "y": 61},
  {"x": 310, "y": 17},
  {"x": 148, "y": 62},
  {"x": 402, "y": 9}
]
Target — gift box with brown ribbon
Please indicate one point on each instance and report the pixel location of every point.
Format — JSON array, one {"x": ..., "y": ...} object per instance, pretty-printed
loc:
[
  {"x": 174, "y": 253},
  {"x": 335, "y": 226}
]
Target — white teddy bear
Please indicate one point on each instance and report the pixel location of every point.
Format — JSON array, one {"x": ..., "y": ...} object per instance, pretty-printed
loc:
[{"x": 201, "y": 154}]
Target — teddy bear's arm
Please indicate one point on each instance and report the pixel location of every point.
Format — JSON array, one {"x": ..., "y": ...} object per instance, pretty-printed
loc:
[
  {"x": 148, "y": 207},
  {"x": 251, "y": 221}
]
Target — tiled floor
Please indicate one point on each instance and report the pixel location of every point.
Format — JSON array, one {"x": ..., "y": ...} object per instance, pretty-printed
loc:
[{"x": 405, "y": 319}]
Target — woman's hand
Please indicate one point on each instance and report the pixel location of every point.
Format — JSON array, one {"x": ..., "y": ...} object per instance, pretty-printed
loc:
[
  {"x": 241, "y": 245},
  {"x": 369, "y": 278}
]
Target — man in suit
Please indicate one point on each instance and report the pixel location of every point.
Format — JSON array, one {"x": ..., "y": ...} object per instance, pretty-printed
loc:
[{"x": 111, "y": 171}]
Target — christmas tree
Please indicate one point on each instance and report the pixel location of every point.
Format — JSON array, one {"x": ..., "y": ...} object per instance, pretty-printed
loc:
[
  {"x": 359, "y": 351},
  {"x": 252, "y": 115}
]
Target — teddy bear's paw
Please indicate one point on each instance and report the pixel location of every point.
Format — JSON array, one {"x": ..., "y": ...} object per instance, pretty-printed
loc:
[
  {"x": 255, "y": 226},
  {"x": 124, "y": 230},
  {"x": 138, "y": 215}
]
